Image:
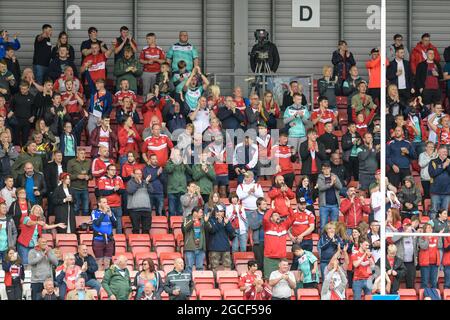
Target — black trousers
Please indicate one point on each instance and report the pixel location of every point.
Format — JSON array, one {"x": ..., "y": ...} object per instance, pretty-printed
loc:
[
  {"x": 404, "y": 95},
  {"x": 350, "y": 278},
  {"x": 431, "y": 96},
  {"x": 14, "y": 292},
  {"x": 258, "y": 250},
  {"x": 141, "y": 220},
  {"x": 289, "y": 179},
  {"x": 397, "y": 178},
  {"x": 21, "y": 131},
  {"x": 375, "y": 93},
  {"x": 410, "y": 276},
  {"x": 352, "y": 168},
  {"x": 426, "y": 189},
  {"x": 36, "y": 289}
]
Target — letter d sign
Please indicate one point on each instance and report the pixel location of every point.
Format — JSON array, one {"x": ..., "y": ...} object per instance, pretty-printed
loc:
[{"x": 306, "y": 13}]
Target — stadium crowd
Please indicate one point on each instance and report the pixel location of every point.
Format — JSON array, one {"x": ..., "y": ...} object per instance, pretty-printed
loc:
[
  {"x": 418, "y": 174},
  {"x": 136, "y": 186}
]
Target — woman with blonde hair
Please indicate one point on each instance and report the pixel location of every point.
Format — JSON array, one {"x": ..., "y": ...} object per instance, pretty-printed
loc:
[
  {"x": 63, "y": 40},
  {"x": 31, "y": 230},
  {"x": 393, "y": 101},
  {"x": 215, "y": 100},
  {"x": 272, "y": 108},
  {"x": 328, "y": 86}
]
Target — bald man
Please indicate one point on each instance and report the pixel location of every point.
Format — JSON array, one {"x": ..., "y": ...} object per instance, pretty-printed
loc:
[
  {"x": 179, "y": 283},
  {"x": 117, "y": 280}
]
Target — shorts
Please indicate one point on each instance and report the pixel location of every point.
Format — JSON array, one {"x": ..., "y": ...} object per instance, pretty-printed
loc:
[
  {"x": 221, "y": 181},
  {"x": 216, "y": 257},
  {"x": 103, "y": 249}
]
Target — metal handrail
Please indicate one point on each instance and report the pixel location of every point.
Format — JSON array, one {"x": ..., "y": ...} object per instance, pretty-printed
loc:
[{"x": 214, "y": 76}]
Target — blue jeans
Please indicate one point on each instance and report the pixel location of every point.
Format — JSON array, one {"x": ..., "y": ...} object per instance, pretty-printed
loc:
[
  {"x": 157, "y": 202},
  {"x": 194, "y": 258},
  {"x": 358, "y": 287},
  {"x": 429, "y": 276},
  {"x": 323, "y": 265},
  {"x": 81, "y": 201},
  {"x": 94, "y": 284},
  {"x": 326, "y": 212},
  {"x": 175, "y": 207},
  {"x": 39, "y": 73},
  {"x": 447, "y": 277},
  {"x": 23, "y": 253},
  {"x": 438, "y": 202},
  {"x": 240, "y": 242},
  {"x": 117, "y": 211}
]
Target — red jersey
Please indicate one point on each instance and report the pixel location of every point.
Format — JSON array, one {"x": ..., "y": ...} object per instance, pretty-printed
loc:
[
  {"x": 247, "y": 280},
  {"x": 127, "y": 143},
  {"x": 282, "y": 154},
  {"x": 128, "y": 169},
  {"x": 24, "y": 211},
  {"x": 443, "y": 135},
  {"x": 361, "y": 272},
  {"x": 60, "y": 85},
  {"x": 280, "y": 198},
  {"x": 446, "y": 255},
  {"x": 220, "y": 162},
  {"x": 326, "y": 116},
  {"x": 72, "y": 106},
  {"x": 151, "y": 108},
  {"x": 14, "y": 272},
  {"x": 264, "y": 146},
  {"x": 149, "y": 53},
  {"x": 430, "y": 256},
  {"x": 70, "y": 278},
  {"x": 301, "y": 221},
  {"x": 159, "y": 146},
  {"x": 99, "y": 169},
  {"x": 119, "y": 95},
  {"x": 98, "y": 68},
  {"x": 275, "y": 237},
  {"x": 107, "y": 184}
]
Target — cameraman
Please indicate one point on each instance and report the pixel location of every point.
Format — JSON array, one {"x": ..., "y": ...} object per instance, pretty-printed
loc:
[
  {"x": 351, "y": 140},
  {"x": 264, "y": 52}
]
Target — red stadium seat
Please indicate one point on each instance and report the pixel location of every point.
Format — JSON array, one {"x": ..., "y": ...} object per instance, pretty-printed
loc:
[
  {"x": 203, "y": 280},
  {"x": 68, "y": 249},
  {"x": 69, "y": 239},
  {"x": 233, "y": 294},
  {"x": 49, "y": 238},
  {"x": 176, "y": 222},
  {"x": 139, "y": 242},
  {"x": 159, "y": 225},
  {"x": 86, "y": 238},
  {"x": 210, "y": 294},
  {"x": 227, "y": 280},
  {"x": 407, "y": 294},
  {"x": 139, "y": 256},
  {"x": 130, "y": 262},
  {"x": 163, "y": 243},
  {"x": 308, "y": 294},
  {"x": 167, "y": 259}
]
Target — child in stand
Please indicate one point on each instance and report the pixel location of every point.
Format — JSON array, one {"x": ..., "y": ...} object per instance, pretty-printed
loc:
[
  {"x": 306, "y": 263},
  {"x": 362, "y": 122},
  {"x": 14, "y": 275}
]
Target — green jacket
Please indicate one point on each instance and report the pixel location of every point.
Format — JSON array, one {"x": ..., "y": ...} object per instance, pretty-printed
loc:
[
  {"x": 120, "y": 72},
  {"x": 358, "y": 105},
  {"x": 74, "y": 168},
  {"x": 176, "y": 177},
  {"x": 24, "y": 157},
  {"x": 204, "y": 179},
  {"x": 188, "y": 233},
  {"x": 116, "y": 284}
]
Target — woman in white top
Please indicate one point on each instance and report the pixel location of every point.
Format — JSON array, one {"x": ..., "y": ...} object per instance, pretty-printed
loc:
[{"x": 236, "y": 215}]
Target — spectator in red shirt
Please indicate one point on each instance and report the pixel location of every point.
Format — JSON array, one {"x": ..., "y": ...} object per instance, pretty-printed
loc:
[
  {"x": 158, "y": 144},
  {"x": 151, "y": 58},
  {"x": 280, "y": 195},
  {"x": 363, "y": 264},
  {"x": 99, "y": 165},
  {"x": 72, "y": 101},
  {"x": 60, "y": 86},
  {"x": 284, "y": 155},
  {"x": 322, "y": 116},
  {"x": 104, "y": 136},
  {"x": 95, "y": 64},
  {"x": 124, "y": 92},
  {"x": 303, "y": 224},
  {"x": 419, "y": 52},
  {"x": 112, "y": 188},
  {"x": 129, "y": 140},
  {"x": 428, "y": 75},
  {"x": 275, "y": 234},
  {"x": 429, "y": 259},
  {"x": 129, "y": 167},
  {"x": 253, "y": 285},
  {"x": 353, "y": 208}
]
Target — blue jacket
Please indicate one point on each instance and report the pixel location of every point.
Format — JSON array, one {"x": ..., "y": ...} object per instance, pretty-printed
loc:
[
  {"x": 156, "y": 185},
  {"x": 3, "y": 44},
  {"x": 103, "y": 225},
  {"x": 255, "y": 221},
  {"x": 106, "y": 101},
  {"x": 440, "y": 177},
  {"x": 219, "y": 235},
  {"x": 394, "y": 155},
  {"x": 327, "y": 248}
]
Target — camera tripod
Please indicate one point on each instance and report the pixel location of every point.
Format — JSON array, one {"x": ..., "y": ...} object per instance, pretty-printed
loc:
[{"x": 259, "y": 82}]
